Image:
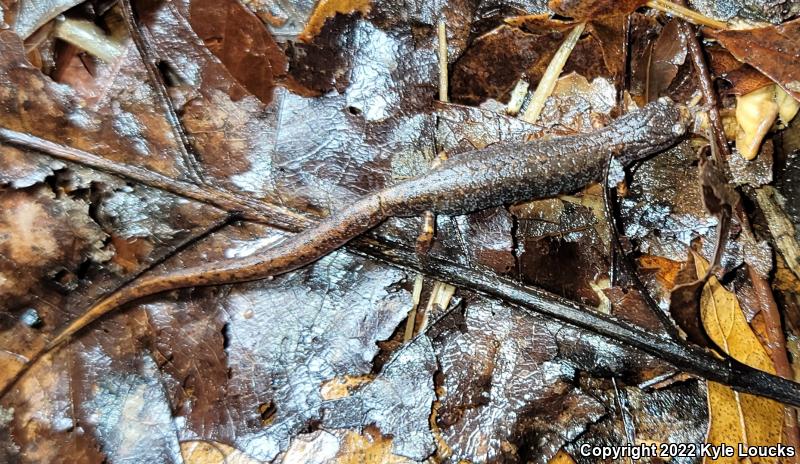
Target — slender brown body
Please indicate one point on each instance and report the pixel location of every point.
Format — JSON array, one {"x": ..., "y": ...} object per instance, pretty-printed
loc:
[{"x": 503, "y": 173}]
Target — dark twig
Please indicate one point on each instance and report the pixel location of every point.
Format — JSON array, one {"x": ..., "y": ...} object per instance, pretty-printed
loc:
[
  {"x": 706, "y": 87},
  {"x": 531, "y": 300},
  {"x": 247, "y": 208},
  {"x": 618, "y": 255},
  {"x": 738, "y": 376},
  {"x": 148, "y": 55}
]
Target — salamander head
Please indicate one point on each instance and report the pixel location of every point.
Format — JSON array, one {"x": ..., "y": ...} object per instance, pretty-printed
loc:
[{"x": 652, "y": 129}]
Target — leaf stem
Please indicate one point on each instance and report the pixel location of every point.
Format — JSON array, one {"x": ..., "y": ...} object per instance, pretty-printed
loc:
[{"x": 548, "y": 82}]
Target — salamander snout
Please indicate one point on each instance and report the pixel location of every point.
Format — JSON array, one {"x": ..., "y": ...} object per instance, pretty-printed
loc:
[{"x": 656, "y": 127}]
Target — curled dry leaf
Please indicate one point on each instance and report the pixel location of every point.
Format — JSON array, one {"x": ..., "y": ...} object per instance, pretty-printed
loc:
[
  {"x": 756, "y": 113},
  {"x": 736, "y": 417}
]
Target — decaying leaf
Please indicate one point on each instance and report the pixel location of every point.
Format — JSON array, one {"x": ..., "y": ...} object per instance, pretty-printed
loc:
[
  {"x": 208, "y": 452},
  {"x": 590, "y": 9},
  {"x": 773, "y": 50},
  {"x": 225, "y": 28},
  {"x": 327, "y": 9}
]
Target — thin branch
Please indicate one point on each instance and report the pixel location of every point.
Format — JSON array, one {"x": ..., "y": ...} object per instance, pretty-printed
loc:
[
  {"x": 531, "y": 300},
  {"x": 707, "y": 87},
  {"x": 548, "y": 81},
  {"x": 146, "y": 52},
  {"x": 248, "y": 208},
  {"x": 680, "y": 11}
]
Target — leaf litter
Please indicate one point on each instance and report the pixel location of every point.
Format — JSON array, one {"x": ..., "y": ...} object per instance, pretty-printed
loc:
[{"x": 237, "y": 372}]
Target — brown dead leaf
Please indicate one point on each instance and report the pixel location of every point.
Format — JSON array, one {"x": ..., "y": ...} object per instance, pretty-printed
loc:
[
  {"x": 685, "y": 300},
  {"x": 592, "y": 9},
  {"x": 773, "y": 50},
  {"x": 495, "y": 61},
  {"x": 736, "y": 417},
  {"x": 668, "y": 54},
  {"x": 742, "y": 77},
  {"x": 608, "y": 31},
  {"x": 327, "y": 9},
  {"x": 241, "y": 42},
  {"x": 666, "y": 270},
  {"x": 562, "y": 457},
  {"x": 209, "y": 452}
]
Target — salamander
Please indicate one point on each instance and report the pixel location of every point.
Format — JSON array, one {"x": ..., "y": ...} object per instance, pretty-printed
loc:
[{"x": 502, "y": 173}]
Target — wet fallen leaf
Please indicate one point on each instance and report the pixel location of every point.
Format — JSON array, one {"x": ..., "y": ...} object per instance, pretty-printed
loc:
[
  {"x": 562, "y": 457},
  {"x": 242, "y": 43},
  {"x": 736, "y": 417},
  {"x": 327, "y": 9},
  {"x": 207, "y": 452},
  {"x": 773, "y": 50}
]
